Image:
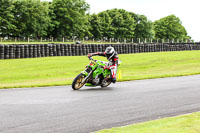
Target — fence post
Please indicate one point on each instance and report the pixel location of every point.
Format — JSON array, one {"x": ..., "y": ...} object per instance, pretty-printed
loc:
[
  {"x": 52, "y": 39},
  {"x": 125, "y": 40},
  {"x": 132, "y": 40},
  {"x": 40, "y": 39},
  {"x": 163, "y": 40},
  {"x": 28, "y": 39},
  {"x": 63, "y": 39},
  {"x": 93, "y": 40},
  {"x": 139, "y": 40}
]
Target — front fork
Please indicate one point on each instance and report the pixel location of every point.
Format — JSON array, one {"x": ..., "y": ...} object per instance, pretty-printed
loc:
[
  {"x": 88, "y": 75},
  {"x": 87, "y": 72}
]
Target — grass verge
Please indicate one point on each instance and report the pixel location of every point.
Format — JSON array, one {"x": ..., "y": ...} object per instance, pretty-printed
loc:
[
  {"x": 189, "y": 123},
  {"x": 51, "y": 71}
]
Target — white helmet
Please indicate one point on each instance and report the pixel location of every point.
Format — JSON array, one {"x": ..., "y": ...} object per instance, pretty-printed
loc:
[{"x": 110, "y": 52}]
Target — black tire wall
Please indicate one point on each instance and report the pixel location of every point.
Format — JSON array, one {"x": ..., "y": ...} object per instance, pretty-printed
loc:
[{"x": 46, "y": 50}]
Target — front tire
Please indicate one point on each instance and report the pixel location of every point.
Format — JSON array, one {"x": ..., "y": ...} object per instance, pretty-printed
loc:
[{"x": 76, "y": 84}]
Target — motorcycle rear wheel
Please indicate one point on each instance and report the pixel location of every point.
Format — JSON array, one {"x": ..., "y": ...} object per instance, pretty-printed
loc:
[
  {"x": 106, "y": 83},
  {"x": 77, "y": 83}
]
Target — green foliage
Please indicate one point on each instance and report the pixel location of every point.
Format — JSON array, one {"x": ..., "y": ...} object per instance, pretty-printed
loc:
[
  {"x": 144, "y": 27},
  {"x": 24, "y": 18},
  {"x": 169, "y": 27},
  {"x": 95, "y": 26},
  {"x": 115, "y": 23},
  {"x": 32, "y": 18},
  {"x": 6, "y": 18},
  {"x": 69, "y": 17},
  {"x": 118, "y": 23},
  {"x": 105, "y": 24},
  {"x": 122, "y": 23}
]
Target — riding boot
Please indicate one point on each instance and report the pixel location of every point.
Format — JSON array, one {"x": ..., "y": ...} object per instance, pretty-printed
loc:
[{"x": 114, "y": 80}]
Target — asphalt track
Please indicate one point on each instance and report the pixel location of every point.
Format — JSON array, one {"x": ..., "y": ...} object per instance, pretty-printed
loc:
[{"x": 62, "y": 110}]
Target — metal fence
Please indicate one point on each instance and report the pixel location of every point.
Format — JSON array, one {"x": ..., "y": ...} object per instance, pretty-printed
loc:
[
  {"x": 46, "y": 50},
  {"x": 90, "y": 40}
]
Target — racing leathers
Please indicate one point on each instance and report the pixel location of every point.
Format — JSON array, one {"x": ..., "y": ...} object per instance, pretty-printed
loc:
[{"x": 113, "y": 63}]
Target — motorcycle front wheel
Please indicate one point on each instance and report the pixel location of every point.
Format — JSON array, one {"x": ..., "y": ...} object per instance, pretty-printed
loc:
[{"x": 77, "y": 83}]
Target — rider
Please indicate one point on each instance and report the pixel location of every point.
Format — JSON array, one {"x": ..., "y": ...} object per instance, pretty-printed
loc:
[{"x": 112, "y": 57}]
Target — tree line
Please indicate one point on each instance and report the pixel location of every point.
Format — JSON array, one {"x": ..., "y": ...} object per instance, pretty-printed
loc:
[{"x": 71, "y": 18}]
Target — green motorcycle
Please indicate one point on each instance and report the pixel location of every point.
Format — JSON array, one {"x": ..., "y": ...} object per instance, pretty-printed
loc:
[{"x": 93, "y": 75}]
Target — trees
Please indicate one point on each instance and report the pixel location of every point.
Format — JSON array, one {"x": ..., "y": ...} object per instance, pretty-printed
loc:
[
  {"x": 118, "y": 23},
  {"x": 169, "y": 27},
  {"x": 69, "y": 18},
  {"x": 7, "y": 19},
  {"x": 36, "y": 19},
  {"x": 122, "y": 23},
  {"x": 105, "y": 24},
  {"x": 95, "y": 26},
  {"x": 23, "y": 18},
  {"x": 32, "y": 18},
  {"x": 115, "y": 23},
  {"x": 144, "y": 27}
]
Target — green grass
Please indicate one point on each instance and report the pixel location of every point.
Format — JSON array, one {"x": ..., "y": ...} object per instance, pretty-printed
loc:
[
  {"x": 52, "y": 71},
  {"x": 181, "y": 124}
]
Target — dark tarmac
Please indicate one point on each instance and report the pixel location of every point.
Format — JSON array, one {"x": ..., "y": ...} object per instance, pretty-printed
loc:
[{"x": 61, "y": 110}]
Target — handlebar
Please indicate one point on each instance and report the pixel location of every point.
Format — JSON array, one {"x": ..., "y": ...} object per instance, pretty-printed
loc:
[{"x": 90, "y": 58}]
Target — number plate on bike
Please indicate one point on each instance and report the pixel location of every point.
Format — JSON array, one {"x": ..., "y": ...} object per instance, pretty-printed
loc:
[{"x": 93, "y": 63}]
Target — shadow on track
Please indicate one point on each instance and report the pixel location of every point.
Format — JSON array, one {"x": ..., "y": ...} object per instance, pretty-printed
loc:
[{"x": 96, "y": 89}]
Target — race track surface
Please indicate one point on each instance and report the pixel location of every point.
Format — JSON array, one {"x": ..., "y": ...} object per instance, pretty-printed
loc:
[{"x": 62, "y": 110}]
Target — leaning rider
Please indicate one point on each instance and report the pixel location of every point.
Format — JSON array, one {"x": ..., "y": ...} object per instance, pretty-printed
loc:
[{"x": 112, "y": 57}]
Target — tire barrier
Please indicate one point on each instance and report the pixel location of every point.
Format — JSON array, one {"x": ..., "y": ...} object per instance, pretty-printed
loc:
[{"x": 46, "y": 50}]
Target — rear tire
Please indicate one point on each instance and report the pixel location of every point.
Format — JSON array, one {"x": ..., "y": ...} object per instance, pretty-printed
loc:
[
  {"x": 106, "y": 83},
  {"x": 76, "y": 84}
]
